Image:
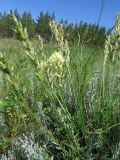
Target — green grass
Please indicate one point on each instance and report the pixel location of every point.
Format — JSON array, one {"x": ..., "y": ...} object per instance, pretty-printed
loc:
[{"x": 76, "y": 120}]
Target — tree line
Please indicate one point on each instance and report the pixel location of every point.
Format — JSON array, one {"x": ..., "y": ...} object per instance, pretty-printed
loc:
[{"x": 82, "y": 33}]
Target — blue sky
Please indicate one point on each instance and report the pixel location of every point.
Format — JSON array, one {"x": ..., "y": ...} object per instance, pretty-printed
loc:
[{"x": 72, "y": 10}]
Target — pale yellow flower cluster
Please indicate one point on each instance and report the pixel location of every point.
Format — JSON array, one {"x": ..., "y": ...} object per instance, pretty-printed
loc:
[
  {"x": 56, "y": 60},
  {"x": 58, "y": 33},
  {"x": 53, "y": 67}
]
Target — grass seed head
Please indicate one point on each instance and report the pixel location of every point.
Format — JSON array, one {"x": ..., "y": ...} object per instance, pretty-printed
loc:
[{"x": 112, "y": 45}]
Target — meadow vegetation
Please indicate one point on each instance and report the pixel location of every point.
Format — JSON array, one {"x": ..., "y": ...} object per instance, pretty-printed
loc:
[{"x": 59, "y": 101}]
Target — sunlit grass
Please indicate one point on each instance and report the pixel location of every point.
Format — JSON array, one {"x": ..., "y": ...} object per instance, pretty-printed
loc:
[{"x": 67, "y": 97}]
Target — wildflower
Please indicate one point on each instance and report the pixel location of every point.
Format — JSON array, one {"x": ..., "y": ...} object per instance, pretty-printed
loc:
[
  {"x": 52, "y": 68},
  {"x": 56, "y": 60},
  {"x": 58, "y": 33}
]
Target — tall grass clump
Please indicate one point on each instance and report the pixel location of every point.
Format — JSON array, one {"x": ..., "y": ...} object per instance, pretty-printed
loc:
[{"x": 57, "y": 102}]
